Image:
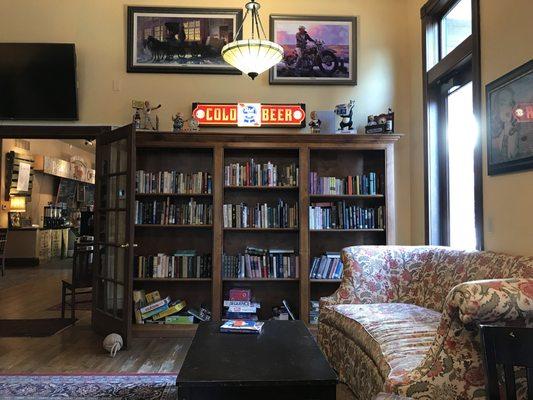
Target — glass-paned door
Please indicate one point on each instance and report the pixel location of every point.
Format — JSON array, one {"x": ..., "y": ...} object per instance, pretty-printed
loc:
[{"x": 114, "y": 232}]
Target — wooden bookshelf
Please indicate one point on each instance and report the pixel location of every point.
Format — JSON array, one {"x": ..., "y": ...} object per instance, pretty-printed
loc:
[{"x": 329, "y": 155}]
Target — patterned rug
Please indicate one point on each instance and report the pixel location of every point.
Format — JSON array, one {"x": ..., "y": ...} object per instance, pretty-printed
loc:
[{"x": 127, "y": 387}]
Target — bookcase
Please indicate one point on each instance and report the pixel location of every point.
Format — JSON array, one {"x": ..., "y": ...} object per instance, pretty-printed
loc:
[{"x": 326, "y": 155}]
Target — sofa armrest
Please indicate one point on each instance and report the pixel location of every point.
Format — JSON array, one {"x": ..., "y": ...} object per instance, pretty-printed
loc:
[
  {"x": 492, "y": 300},
  {"x": 454, "y": 357}
]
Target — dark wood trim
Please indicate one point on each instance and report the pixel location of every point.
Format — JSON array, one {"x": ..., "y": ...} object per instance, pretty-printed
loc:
[
  {"x": 52, "y": 131},
  {"x": 466, "y": 55},
  {"x": 478, "y": 150},
  {"x": 457, "y": 58}
]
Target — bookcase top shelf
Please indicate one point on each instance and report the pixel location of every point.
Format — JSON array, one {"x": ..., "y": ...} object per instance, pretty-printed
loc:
[{"x": 169, "y": 139}]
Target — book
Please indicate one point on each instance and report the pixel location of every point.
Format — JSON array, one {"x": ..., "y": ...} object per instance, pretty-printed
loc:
[
  {"x": 286, "y": 305},
  {"x": 179, "y": 319},
  {"x": 152, "y": 297},
  {"x": 139, "y": 301},
  {"x": 241, "y": 326},
  {"x": 152, "y": 306},
  {"x": 156, "y": 311},
  {"x": 240, "y": 294},
  {"x": 202, "y": 314},
  {"x": 173, "y": 308},
  {"x": 230, "y": 303}
]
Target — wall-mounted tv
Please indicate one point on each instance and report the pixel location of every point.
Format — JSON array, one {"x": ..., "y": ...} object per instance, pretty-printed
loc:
[{"x": 38, "y": 81}]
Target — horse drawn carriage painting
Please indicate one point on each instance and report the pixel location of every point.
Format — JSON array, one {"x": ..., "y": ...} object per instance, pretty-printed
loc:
[
  {"x": 178, "y": 40},
  {"x": 317, "y": 50}
]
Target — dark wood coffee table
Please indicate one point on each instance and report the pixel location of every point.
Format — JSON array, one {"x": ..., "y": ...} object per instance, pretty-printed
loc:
[{"x": 282, "y": 363}]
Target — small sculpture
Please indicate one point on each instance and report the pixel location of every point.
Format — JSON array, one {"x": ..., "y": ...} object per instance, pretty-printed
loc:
[
  {"x": 191, "y": 125},
  {"x": 178, "y": 122},
  {"x": 345, "y": 111},
  {"x": 113, "y": 343},
  {"x": 315, "y": 122},
  {"x": 148, "y": 122}
]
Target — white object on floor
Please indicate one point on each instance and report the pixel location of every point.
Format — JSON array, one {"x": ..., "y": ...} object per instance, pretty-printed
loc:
[{"x": 113, "y": 343}]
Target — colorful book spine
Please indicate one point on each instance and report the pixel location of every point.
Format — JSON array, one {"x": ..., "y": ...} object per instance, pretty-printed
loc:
[
  {"x": 279, "y": 215},
  {"x": 173, "y": 182},
  {"x": 366, "y": 184},
  {"x": 251, "y": 173}
]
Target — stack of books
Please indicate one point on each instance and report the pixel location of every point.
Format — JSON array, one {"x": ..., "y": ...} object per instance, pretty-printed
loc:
[
  {"x": 329, "y": 215},
  {"x": 173, "y": 182},
  {"x": 241, "y": 326},
  {"x": 261, "y": 263},
  {"x": 328, "y": 266},
  {"x": 280, "y": 215},
  {"x": 313, "y": 312},
  {"x": 181, "y": 264},
  {"x": 240, "y": 305},
  {"x": 369, "y": 184},
  {"x": 167, "y": 212},
  {"x": 256, "y": 174},
  {"x": 150, "y": 308}
]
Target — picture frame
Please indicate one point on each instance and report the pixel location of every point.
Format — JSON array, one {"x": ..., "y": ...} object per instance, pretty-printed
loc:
[
  {"x": 180, "y": 40},
  {"x": 329, "y": 56},
  {"x": 509, "y": 121}
]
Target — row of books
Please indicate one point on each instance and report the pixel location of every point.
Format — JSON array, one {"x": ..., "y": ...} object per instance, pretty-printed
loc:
[
  {"x": 261, "y": 263},
  {"x": 181, "y": 264},
  {"x": 327, "y": 266},
  {"x": 256, "y": 174},
  {"x": 173, "y": 182},
  {"x": 340, "y": 216},
  {"x": 151, "y": 308},
  {"x": 169, "y": 212},
  {"x": 368, "y": 184},
  {"x": 280, "y": 215}
]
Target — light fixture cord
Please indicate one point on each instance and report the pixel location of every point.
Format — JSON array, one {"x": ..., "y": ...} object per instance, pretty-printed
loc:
[{"x": 257, "y": 25}]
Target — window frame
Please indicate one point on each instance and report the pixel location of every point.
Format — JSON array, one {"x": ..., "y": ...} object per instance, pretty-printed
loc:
[{"x": 465, "y": 58}]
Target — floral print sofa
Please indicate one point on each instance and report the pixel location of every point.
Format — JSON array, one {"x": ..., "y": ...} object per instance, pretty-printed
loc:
[{"x": 403, "y": 320}]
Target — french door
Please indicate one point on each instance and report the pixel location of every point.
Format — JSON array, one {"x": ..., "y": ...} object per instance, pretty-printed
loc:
[{"x": 114, "y": 202}]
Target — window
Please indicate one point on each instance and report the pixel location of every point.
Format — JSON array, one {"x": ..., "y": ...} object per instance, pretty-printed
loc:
[
  {"x": 456, "y": 26},
  {"x": 159, "y": 32},
  {"x": 452, "y": 96},
  {"x": 462, "y": 136},
  {"x": 192, "y": 31}
]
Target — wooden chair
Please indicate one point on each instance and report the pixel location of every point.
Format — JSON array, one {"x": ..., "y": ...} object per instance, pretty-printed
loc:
[
  {"x": 508, "y": 347},
  {"x": 82, "y": 276},
  {"x": 3, "y": 247}
]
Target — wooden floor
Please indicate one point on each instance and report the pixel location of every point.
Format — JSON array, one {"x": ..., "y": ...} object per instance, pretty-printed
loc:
[{"x": 28, "y": 292}]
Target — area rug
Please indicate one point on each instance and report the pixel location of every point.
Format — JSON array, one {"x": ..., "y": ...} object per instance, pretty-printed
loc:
[
  {"x": 127, "y": 387},
  {"x": 33, "y": 327}
]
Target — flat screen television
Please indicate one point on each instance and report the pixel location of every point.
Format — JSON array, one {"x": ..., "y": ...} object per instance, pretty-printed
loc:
[{"x": 38, "y": 81}]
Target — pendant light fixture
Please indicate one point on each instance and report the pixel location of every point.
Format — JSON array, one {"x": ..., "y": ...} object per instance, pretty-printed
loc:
[{"x": 256, "y": 55}]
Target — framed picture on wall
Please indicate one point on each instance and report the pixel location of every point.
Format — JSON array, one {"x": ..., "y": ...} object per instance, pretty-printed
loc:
[
  {"x": 180, "y": 40},
  {"x": 317, "y": 50},
  {"x": 510, "y": 121}
]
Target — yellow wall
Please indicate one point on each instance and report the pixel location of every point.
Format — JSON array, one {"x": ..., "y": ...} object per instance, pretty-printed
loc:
[
  {"x": 98, "y": 27},
  {"x": 44, "y": 186},
  {"x": 506, "y": 33}
]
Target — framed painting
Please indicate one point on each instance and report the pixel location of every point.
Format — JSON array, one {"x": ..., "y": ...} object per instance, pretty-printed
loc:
[
  {"x": 510, "y": 121},
  {"x": 317, "y": 50},
  {"x": 180, "y": 40}
]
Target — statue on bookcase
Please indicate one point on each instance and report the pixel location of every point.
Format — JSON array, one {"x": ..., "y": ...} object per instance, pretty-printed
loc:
[
  {"x": 178, "y": 122},
  {"x": 143, "y": 117},
  {"x": 315, "y": 122},
  {"x": 345, "y": 112}
]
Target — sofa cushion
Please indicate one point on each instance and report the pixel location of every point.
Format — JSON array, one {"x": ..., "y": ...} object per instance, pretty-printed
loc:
[{"x": 396, "y": 336}]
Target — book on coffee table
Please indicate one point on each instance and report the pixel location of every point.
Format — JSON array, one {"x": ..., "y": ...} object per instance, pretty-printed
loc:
[{"x": 241, "y": 326}]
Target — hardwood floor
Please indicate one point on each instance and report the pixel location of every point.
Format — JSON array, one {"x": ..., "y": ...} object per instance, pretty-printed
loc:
[{"x": 28, "y": 292}]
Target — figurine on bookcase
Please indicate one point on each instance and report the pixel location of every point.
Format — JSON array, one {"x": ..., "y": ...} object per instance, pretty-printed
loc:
[
  {"x": 178, "y": 122},
  {"x": 143, "y": 117},
  {"x": 315, "y": 122},
  {"x": 345, "y": 112},
  {"x": 191, "y": 125}
]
